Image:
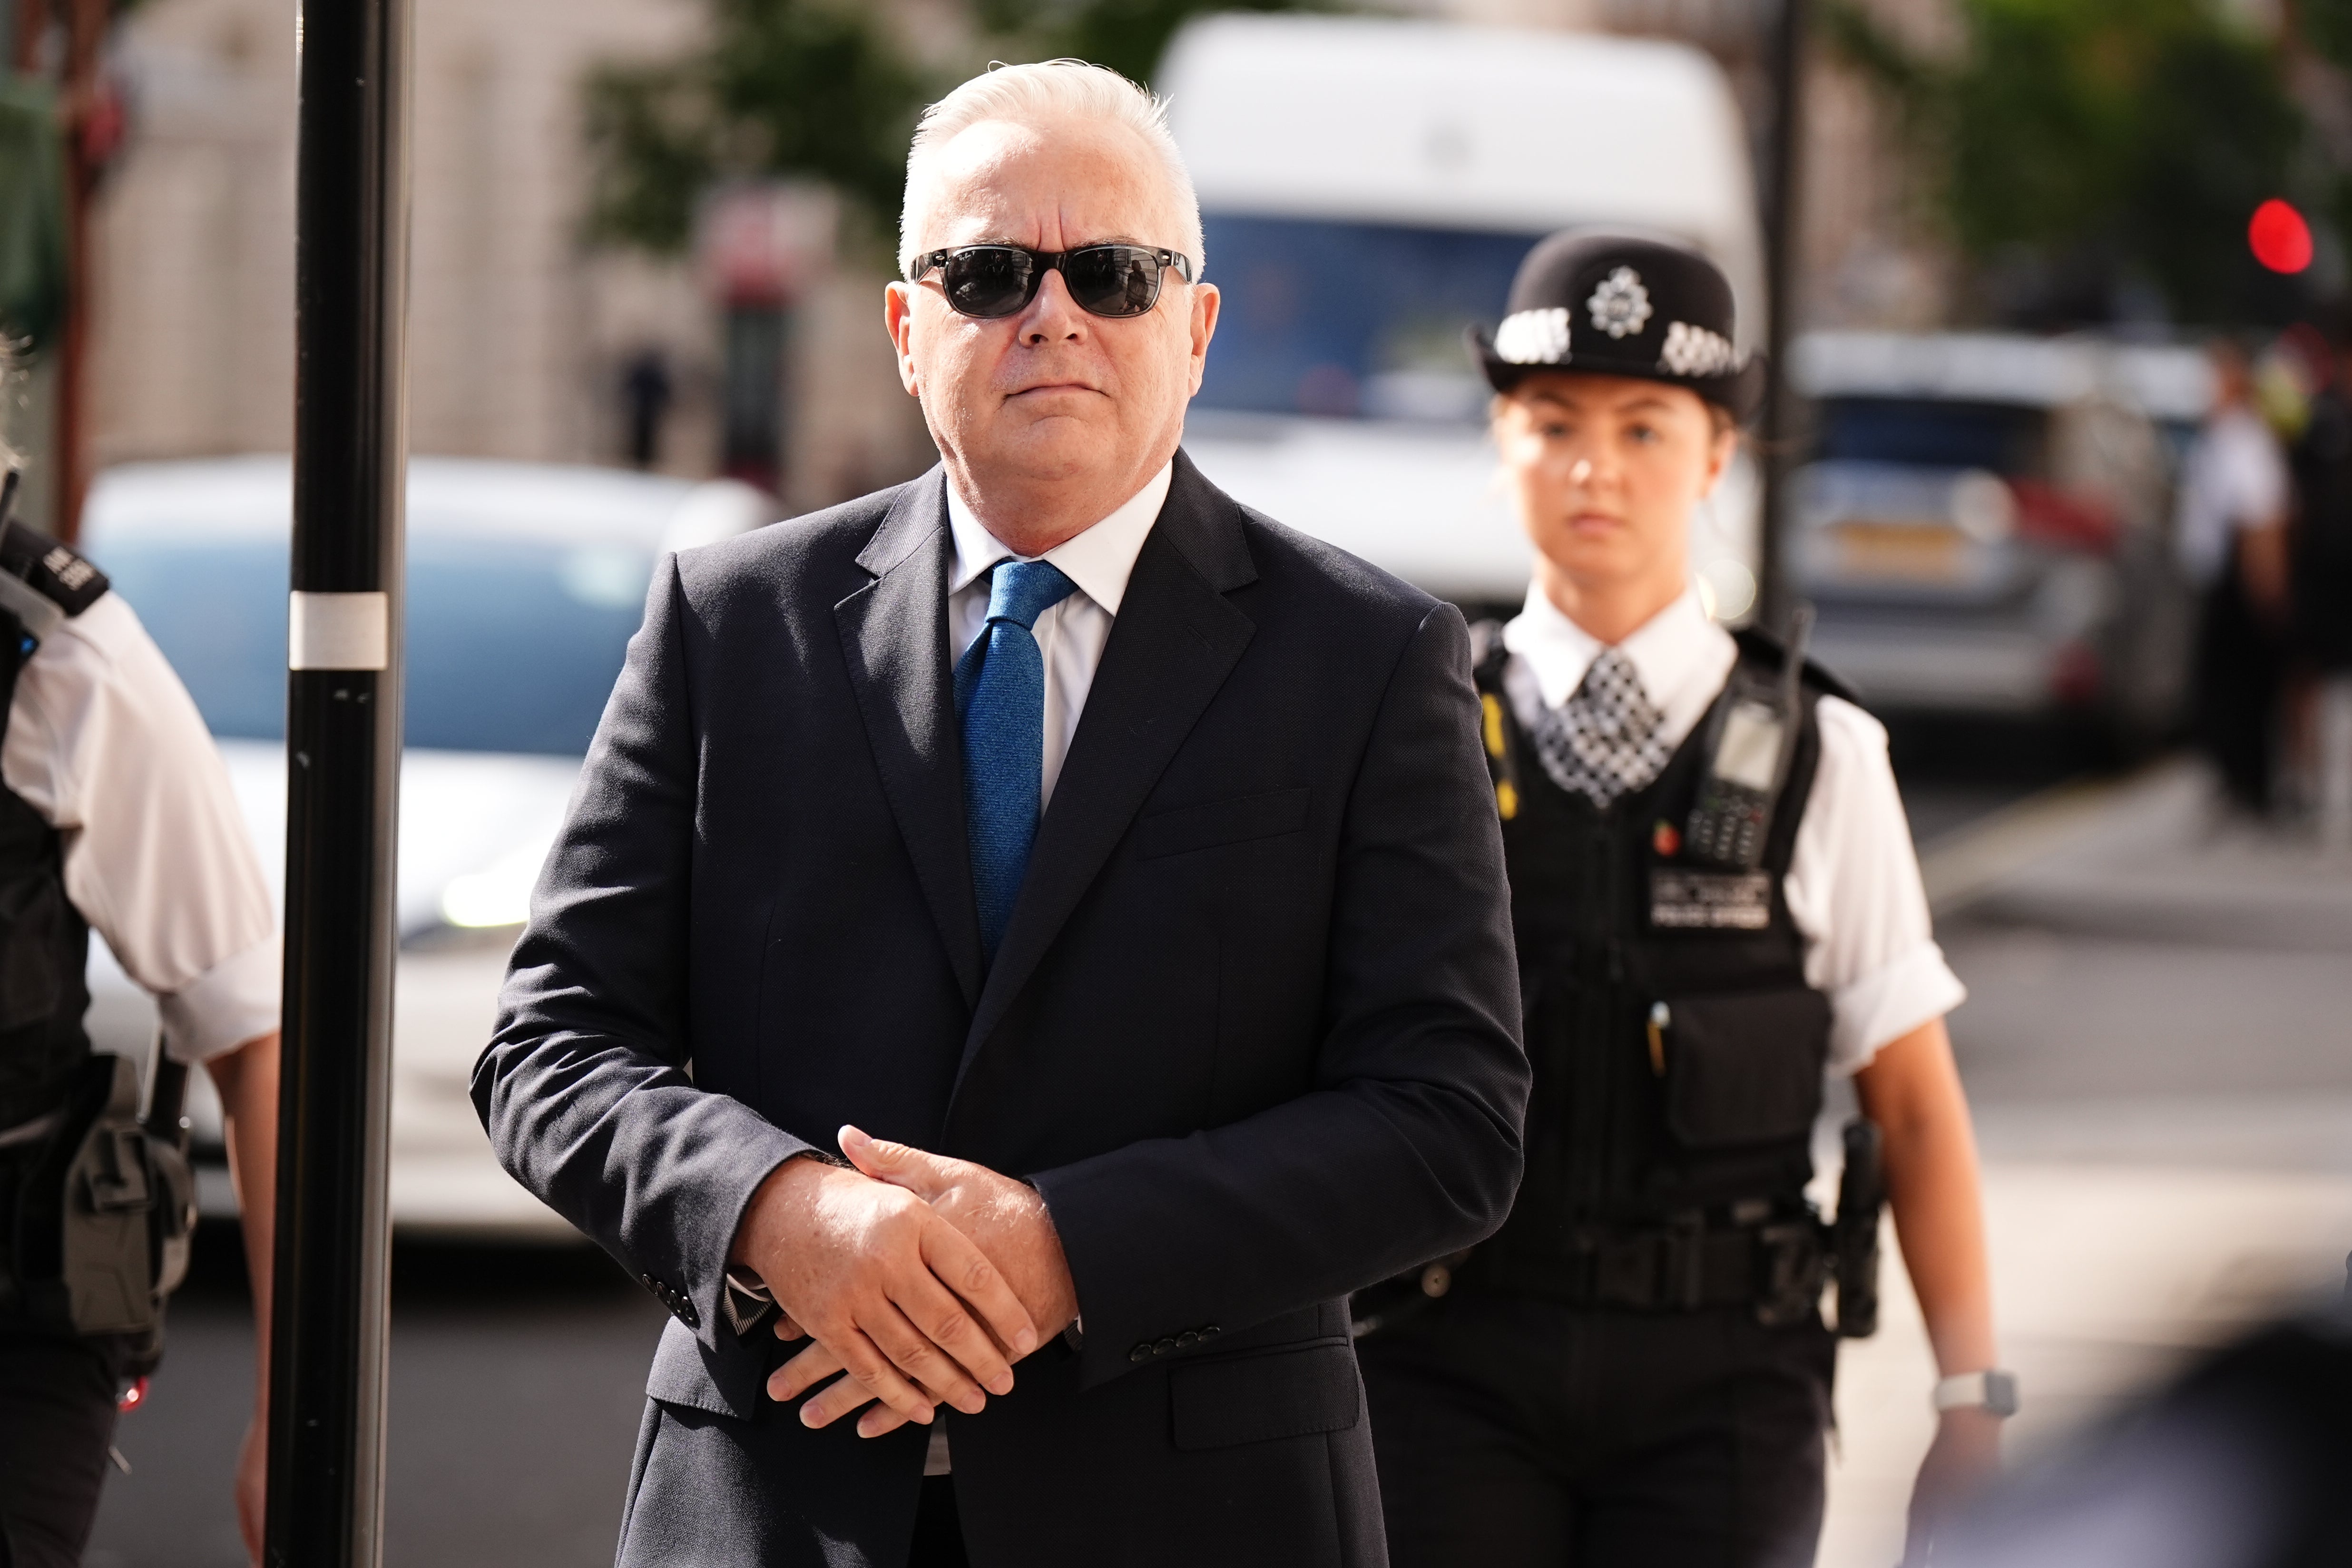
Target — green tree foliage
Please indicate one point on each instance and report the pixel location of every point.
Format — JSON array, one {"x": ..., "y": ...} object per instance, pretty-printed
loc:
[
  {"x": 820, "y": 89},
  {"x": 789, "y": 87},
  {"x": 1129, "y": 36},
  {"x": 2115, "y": 139},
  {"x": 2326, "y": 26}
]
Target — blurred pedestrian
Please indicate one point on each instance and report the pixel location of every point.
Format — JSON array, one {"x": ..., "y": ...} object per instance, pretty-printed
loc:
[
  {"x": 645, "y": 394},
  {"x": 1716, "y": 904},
  {"x": 2320, "y": 586},
  {"x": 2235, "y": 497},
  {"x": 116, "y": 815},
  {"x": 1054, "y": 810}
]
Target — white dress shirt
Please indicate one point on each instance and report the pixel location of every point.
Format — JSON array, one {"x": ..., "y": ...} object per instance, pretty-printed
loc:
[
  {"x": 1071, "y": 634},
  {"x": 1852, "y": 887},
  {"x": 2235, "y": 478},
  {"x": 107, "y": 746}
]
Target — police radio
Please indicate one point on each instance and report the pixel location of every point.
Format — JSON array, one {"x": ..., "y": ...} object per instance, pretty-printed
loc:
[{"x": 1750, "y": 739}]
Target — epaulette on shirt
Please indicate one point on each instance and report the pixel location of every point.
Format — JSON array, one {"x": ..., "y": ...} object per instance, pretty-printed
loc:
[{"x": 43, "y": 581}]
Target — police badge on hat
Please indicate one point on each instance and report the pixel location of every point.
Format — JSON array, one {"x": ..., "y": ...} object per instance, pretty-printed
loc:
[{"x": 1618, "y": 304}]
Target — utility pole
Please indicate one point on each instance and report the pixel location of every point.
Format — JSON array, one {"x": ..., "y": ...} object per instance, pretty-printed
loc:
[
  {"x": 1782, "y": 226},
  {"x": 66, "y": 38},
  {"x": 342, "y": 746},
  {"x": 86, "y": 23}
]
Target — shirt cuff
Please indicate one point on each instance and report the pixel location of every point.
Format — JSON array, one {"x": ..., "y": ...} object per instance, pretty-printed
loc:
[
  {"x": 1889, "y": 1002},
  {"x": 234, "y": 1001}
]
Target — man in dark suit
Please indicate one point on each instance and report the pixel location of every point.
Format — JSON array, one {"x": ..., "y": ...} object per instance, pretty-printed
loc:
[{"x": 1111, "y": 870}]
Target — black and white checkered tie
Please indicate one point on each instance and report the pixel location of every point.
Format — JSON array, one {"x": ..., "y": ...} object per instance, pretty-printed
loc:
[{"x": 1603, "y": 740}]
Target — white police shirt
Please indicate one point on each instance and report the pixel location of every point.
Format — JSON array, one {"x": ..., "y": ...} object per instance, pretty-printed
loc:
[
  {"x": 1852, "y": 887},
  {"x": 107, "y": 746}
]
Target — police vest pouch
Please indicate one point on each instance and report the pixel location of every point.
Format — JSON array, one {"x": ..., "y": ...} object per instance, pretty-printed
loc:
[
  {"x": 105, "y": 1218},
  {"x": 1741, "y": 1068}
]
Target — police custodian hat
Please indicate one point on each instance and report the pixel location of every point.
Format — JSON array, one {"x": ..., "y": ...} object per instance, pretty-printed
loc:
[{"x": 1617, "y": 304}]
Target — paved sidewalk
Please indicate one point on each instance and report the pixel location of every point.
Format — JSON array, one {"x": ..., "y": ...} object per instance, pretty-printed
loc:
[
  {"x": 2125, "y": 953},
  {"x": 2104, "y": 1278},
  {"x": 2149, "y": 859}
]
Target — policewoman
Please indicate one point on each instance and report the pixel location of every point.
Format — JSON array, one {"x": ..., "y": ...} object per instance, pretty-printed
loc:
[
  {"x": 117, "y": 816},
  {"x": 1717, "y": 906}
]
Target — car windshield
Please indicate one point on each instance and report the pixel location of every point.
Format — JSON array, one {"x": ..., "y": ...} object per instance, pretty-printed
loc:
[
  {"x": 513, "y": 643},
  {"x": 1352, "y": 319},
  {"x": 1934, "y": 433}
]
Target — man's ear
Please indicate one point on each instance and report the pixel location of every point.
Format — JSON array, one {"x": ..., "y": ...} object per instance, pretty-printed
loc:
[
  {"x": 899, "y": 321},
  {"x": 1206, "y": 303}
]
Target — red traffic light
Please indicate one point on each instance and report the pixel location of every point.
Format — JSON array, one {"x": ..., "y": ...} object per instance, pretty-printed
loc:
[{"x": 2279, "y": 239}]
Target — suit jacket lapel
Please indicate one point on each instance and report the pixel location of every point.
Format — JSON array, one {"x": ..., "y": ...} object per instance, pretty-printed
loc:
[
  {"x": 1175, "y": 640},
  {"x": 893, "y": 634}
]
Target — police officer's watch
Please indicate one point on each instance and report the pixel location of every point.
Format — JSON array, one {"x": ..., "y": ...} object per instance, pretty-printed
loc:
[{"x": 1993, "y": 1391}]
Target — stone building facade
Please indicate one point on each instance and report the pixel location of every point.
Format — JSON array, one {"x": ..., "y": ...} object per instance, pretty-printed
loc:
[{"x": 518, "y": 332}]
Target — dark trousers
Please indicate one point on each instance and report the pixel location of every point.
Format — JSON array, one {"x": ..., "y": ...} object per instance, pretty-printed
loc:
[
  {"x": 713, "y": 1477},
  {"x": 1513, "y": 1433},
  {"x": 57, "y": 1421},
  {"x": 939, "y": 1534},
  {"x": 2238, "y": 674}
]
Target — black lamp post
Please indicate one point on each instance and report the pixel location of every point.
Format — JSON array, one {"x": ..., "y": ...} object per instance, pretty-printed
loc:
[
  {"x": 342, "y": 743},
  {"x": 1784, "y": 156}
]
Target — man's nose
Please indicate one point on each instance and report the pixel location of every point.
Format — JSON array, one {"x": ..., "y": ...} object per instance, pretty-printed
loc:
[{"x": 1053, "y": 315}]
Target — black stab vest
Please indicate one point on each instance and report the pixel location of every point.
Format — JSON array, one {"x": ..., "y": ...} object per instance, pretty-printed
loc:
[
  {"x": 44, "y": 940},
  {"x": 1712, "y": 1123}
]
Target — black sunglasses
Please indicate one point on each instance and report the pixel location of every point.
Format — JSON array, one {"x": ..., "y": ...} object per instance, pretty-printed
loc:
[{"x": 991, "y": 280}]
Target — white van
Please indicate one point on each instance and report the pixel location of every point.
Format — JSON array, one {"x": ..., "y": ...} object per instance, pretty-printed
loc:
[{"x": 1369, "y": 187}]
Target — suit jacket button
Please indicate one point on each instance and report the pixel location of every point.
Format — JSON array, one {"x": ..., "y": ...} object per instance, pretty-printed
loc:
[
  {"x": 1211, "y": 1332},
  {"x": 687, "y": 1315},
  {"x": 1139, "y": 1354},
  {"x": 1163, "y": 1347},
  {"x": 1188, "y": 1338}
]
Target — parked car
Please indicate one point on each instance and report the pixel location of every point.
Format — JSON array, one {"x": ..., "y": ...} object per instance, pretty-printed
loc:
[
  {"x": 1984, "y": 523},
  {"x": 525, "y": 582},
  {"x": 1368, "y": 186}
]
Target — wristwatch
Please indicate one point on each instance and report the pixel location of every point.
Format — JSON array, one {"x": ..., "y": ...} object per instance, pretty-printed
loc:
[{"x": 1992, "y": 1391}]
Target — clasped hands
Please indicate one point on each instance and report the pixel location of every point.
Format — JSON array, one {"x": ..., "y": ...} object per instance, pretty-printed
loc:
[{"x": 919, "y": 1277}]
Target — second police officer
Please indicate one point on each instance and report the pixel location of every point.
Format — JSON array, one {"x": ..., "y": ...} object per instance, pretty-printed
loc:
[
  {"x": 116, "y": 815},
  {"x": 1718, "y": 905}
]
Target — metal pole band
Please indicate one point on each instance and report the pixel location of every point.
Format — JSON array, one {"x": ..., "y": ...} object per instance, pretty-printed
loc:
[{"x": 339, "y": 631}]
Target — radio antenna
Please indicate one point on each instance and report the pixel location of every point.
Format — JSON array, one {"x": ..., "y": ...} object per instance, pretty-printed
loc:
[{"x": 1792, "y": 673}]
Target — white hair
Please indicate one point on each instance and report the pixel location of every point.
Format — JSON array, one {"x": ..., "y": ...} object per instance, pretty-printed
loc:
[{"x": 1037, "y": 94}]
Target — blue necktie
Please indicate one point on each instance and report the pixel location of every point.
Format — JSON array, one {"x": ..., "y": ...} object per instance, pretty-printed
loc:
[{"x": 1000, "y": 689}]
